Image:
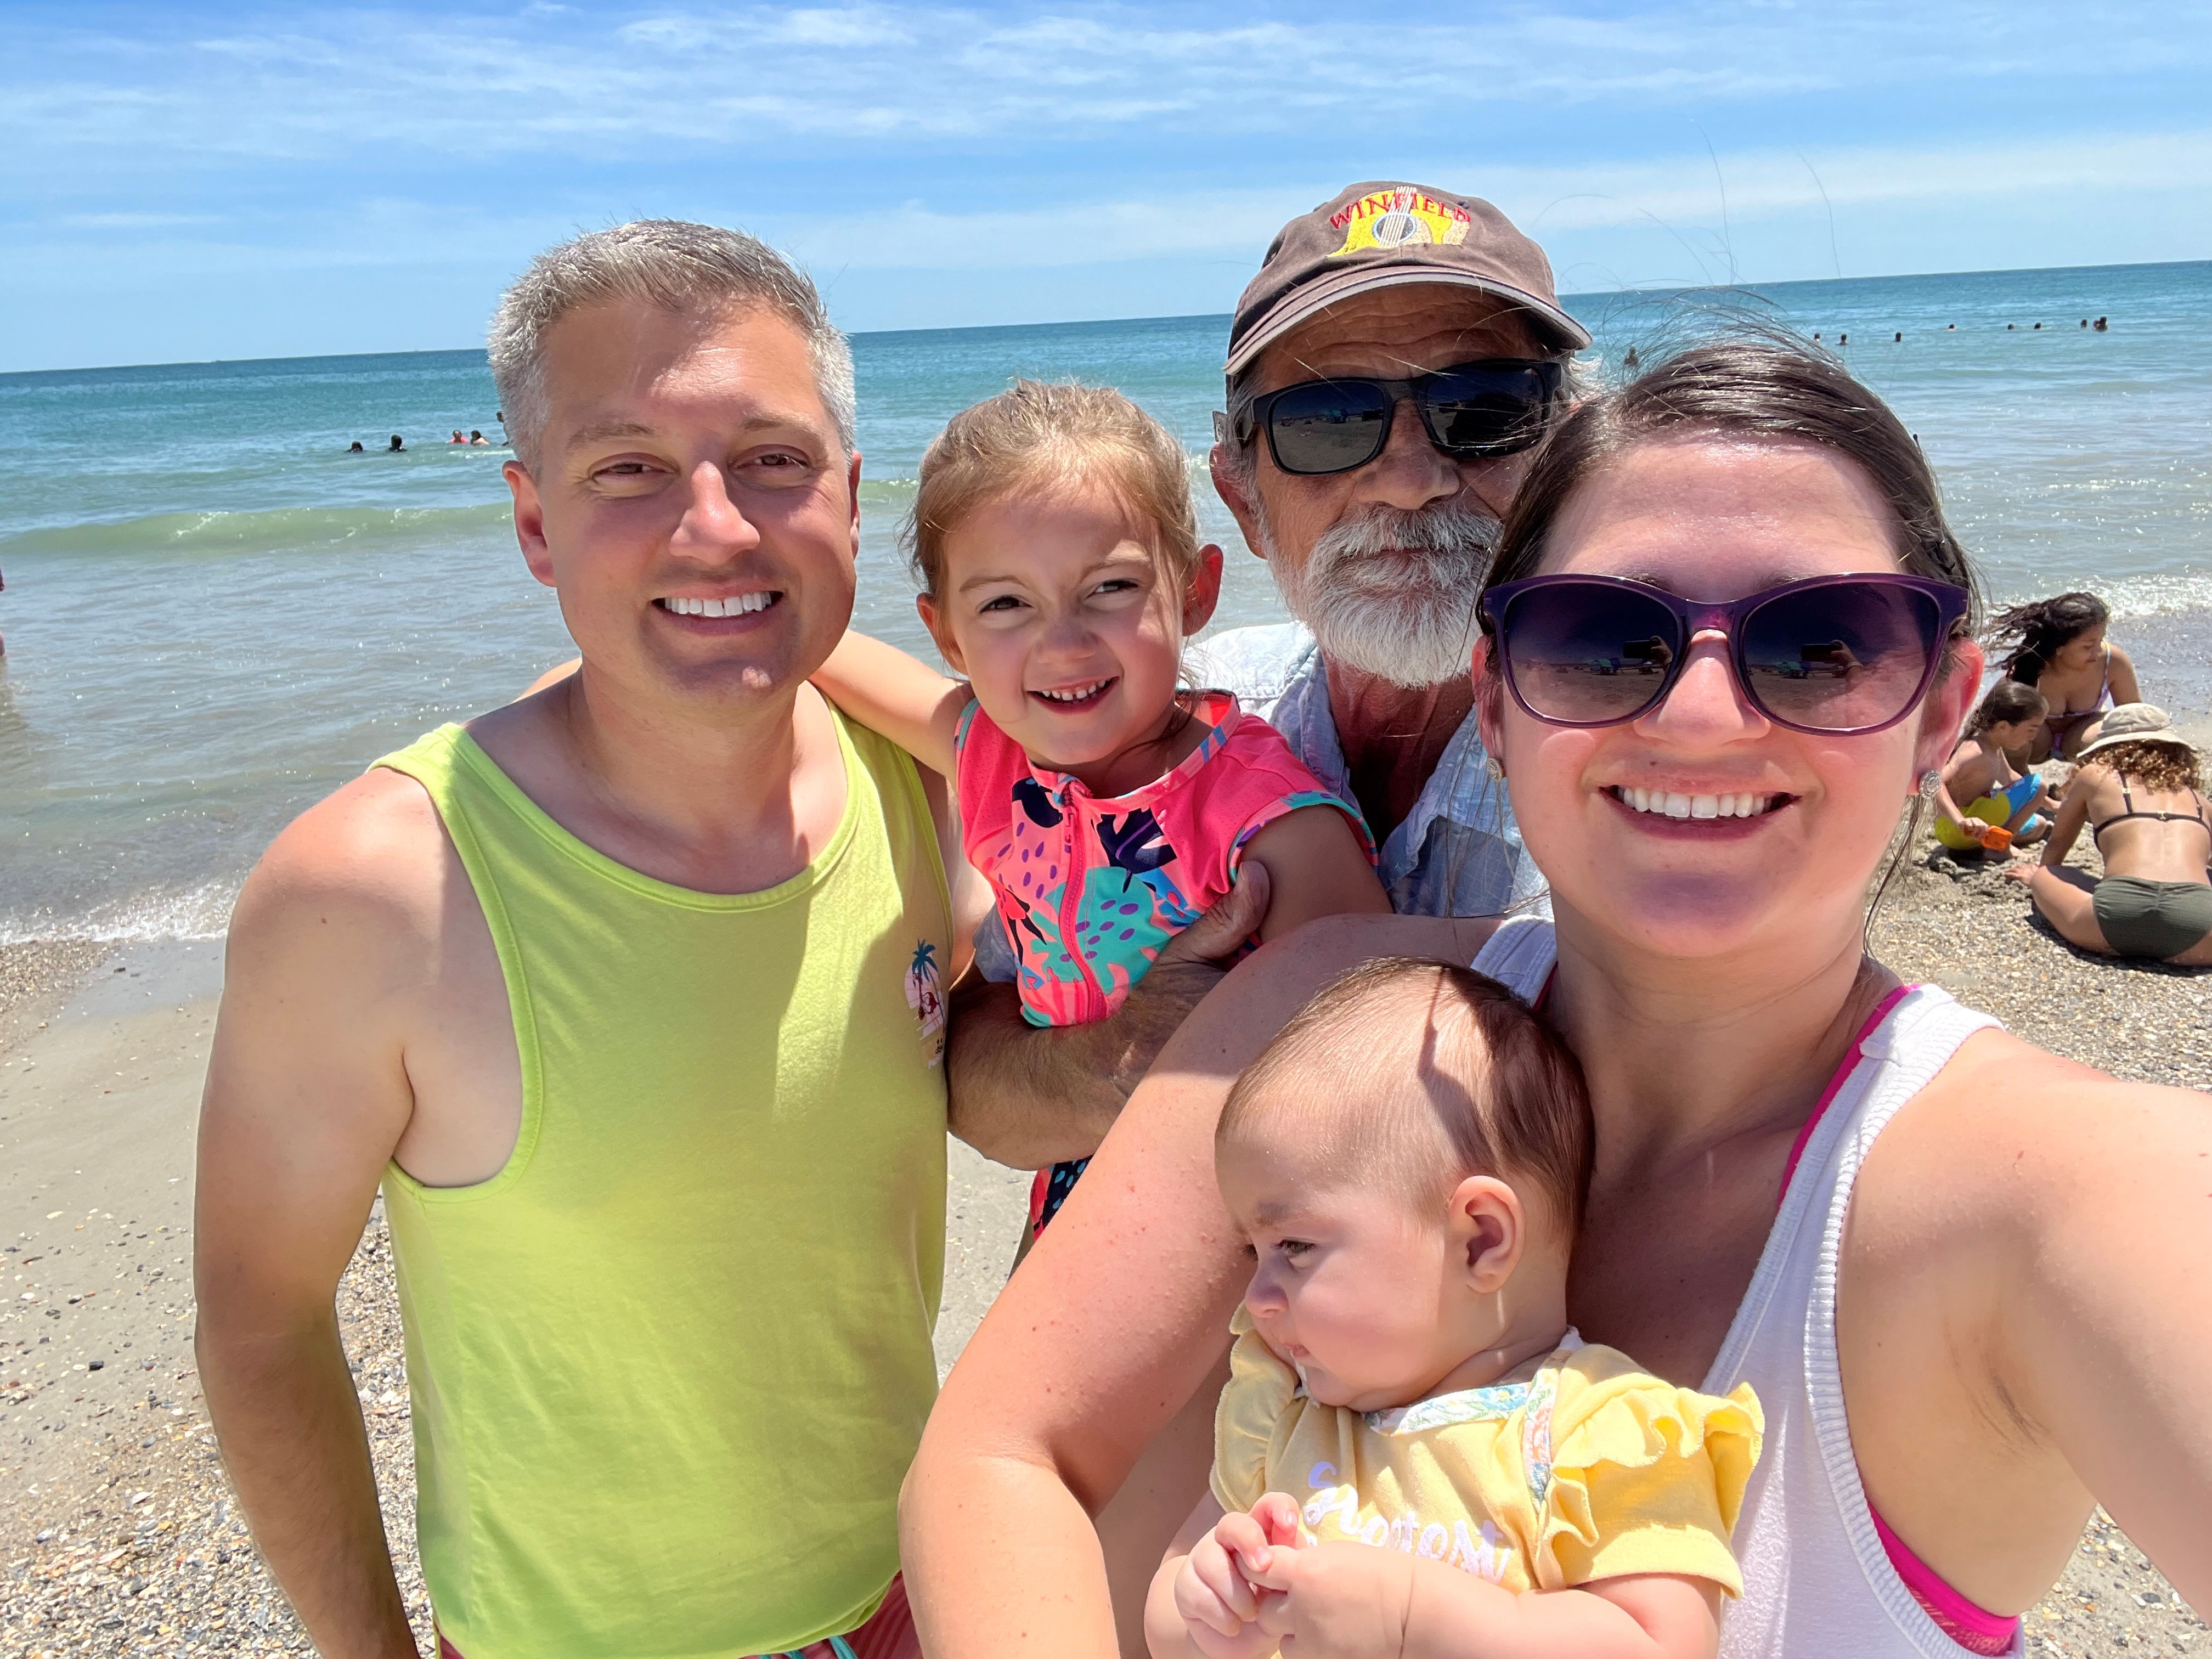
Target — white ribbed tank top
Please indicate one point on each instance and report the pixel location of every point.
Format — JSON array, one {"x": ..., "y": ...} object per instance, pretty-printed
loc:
[{"x": 1817, "y": 1583}]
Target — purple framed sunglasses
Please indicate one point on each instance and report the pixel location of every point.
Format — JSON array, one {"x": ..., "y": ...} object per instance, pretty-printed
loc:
[{"x": 1830, "y": 656}]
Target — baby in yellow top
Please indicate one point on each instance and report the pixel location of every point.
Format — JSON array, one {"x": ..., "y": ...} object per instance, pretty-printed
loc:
[{"x": 1415, "y": 1455}]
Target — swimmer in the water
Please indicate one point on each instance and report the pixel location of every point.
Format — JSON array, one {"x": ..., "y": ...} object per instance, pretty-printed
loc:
[
  {"x": 357, "y": 449},
  {"x": 2097, "y": 327},
  {"x": 398, "y": 448},
  {"x": 456, "y": 438},
  {"x": 476, "y": 437}
]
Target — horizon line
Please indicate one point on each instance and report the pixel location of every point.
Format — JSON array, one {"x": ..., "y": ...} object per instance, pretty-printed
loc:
[{"x": 1656, "y": 291}]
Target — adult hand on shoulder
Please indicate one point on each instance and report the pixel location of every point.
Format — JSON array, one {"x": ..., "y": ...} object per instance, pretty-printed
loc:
[{"x": 1219, "y": 934}]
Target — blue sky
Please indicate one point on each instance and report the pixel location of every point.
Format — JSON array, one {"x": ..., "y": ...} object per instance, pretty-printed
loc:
[{"x": 203, "y": 181}]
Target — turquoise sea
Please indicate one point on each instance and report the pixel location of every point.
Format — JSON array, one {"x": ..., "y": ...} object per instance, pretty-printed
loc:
[{"x": 214, "y": 614}]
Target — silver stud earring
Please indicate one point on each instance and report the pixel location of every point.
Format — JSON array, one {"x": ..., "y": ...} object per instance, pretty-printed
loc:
[
  {"x": 1929, "y": 780},
  {"x": 1496, "y": 772}
]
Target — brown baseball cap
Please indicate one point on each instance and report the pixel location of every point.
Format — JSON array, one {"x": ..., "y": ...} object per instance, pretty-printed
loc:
[{"x": 1380, "y": 234}]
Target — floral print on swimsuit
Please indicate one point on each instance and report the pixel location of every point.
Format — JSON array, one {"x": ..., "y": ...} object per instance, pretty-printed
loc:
[{"x": 1090, "y": 890}]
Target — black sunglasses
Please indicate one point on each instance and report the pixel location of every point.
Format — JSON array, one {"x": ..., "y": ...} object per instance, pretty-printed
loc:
[
  {"x": 1832, "y": 655},
  {"x": 1470, "y": 410}
]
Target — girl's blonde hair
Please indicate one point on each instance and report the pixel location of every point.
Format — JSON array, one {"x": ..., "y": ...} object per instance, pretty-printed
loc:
[{"x": 1036, "y": 436}]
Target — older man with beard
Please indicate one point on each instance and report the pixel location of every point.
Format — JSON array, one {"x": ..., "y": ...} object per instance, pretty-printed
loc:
[{"x": 1389, "y": 369}]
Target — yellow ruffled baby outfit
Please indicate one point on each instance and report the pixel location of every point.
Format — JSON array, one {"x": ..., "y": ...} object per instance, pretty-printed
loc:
[{"x": 1591, "y": 1469}]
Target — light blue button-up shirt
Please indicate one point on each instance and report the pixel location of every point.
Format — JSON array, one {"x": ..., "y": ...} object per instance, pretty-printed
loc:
[{"x": 1458, "y": 854}]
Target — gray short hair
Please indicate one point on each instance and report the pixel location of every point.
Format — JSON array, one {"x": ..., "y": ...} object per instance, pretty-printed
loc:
[{"x": 677, "y": 266}]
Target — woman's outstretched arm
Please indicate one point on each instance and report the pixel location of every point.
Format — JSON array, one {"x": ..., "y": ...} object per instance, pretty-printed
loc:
[{"x": 1112, "y": 1321}]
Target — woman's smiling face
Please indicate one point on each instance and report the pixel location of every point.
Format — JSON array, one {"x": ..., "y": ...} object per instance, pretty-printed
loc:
[{"x": 1714, "y": 518}]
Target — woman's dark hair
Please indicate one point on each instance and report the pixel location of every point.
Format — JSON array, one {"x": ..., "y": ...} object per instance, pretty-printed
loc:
[
  {"x": 1741, "y": 390},
  {"x": 1767, "y": 388},
  {"x": 2030, "y": 634},
  {"x": 2008, "y": 703}
]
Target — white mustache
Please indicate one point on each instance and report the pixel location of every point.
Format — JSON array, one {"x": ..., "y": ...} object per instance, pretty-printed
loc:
[{"x": 1393, "y": 592}]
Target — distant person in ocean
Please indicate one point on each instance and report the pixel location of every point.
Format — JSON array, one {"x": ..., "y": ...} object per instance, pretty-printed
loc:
[
  {"x": 2139, "y": 788},
  {"x": 1390, "y": 369},
  {"x": 476, "y": 437},
  {"x": 2097, "y": 327},
  {"x": 2058, "y": 646},
  {"x": 397, "y": 447},
  {"x": 357, "y": 449},
  {"x": 456, "y": 438},
  {"x": 630, "y": 995}
]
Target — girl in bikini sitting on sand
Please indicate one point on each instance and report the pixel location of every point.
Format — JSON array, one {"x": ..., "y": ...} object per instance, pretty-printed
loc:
[
  {"x": 1062, "y": 572},
  {"x": 2003, "y": 807},
  {"x": 2059, "y": 648}
]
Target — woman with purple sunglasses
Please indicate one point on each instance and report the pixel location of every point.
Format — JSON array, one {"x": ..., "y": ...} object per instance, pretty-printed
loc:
[{"x": 1726, "y": 644}]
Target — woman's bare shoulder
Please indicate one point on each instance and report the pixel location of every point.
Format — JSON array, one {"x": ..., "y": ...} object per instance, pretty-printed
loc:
[{"x": 2006, "y": 1123}]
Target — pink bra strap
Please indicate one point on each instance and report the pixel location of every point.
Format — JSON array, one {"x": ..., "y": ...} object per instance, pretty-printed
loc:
[
  {"x": 1848, "y": 1064},
  {"x": 1970, "y": 1627}
]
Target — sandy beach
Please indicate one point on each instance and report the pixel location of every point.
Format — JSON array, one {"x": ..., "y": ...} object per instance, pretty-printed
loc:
[{"x": 117, "y": 1533}]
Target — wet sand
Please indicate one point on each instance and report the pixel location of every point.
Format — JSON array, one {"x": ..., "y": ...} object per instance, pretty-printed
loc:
[{"x": 117, "y": 1533}]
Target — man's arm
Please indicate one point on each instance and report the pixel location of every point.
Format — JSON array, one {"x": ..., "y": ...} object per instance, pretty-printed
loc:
[
  {"x": 1028, "y": 1095},
  {"x": 1116, "y": 1317},
  {"x": 307, "y": 1096}
]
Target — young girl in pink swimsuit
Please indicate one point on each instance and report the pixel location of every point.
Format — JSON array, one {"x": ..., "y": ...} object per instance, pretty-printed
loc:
[{"x": 1109, "y": 807}]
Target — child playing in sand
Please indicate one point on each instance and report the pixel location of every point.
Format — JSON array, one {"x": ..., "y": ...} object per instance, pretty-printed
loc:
[
  {"x": 1415, "y": 1455},
  {"x": 1062, "y": 572},
  {"x": 2005, "y": 806}
]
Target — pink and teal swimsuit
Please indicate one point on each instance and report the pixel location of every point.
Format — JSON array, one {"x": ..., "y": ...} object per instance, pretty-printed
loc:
[{"x": 1090, "y": 890}]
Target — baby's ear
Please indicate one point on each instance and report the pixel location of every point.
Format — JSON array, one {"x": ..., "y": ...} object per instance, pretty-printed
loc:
[{"x": 1489, "y": 1231}]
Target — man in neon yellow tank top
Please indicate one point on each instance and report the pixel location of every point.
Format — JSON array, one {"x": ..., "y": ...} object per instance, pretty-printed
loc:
[{"x": 630, "y": 996}]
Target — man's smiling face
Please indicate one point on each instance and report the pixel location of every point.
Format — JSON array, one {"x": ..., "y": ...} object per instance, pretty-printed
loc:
[{"x": 690, "y": 500}]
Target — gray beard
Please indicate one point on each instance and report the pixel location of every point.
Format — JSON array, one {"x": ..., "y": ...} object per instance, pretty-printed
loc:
[{"x": 1391, "y": 593}]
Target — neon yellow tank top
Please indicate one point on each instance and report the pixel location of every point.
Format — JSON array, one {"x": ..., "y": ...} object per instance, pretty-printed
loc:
[{"x": 669, "y": 1364}]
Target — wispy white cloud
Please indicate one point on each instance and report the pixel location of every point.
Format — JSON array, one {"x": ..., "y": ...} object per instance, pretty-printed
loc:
[
  {"x": 1681, "y": 191},
  {"x": 316, "y": 84}
]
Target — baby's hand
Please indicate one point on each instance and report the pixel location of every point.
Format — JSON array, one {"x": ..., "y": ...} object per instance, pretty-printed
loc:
[
  {"x": 1214, "y": 1591},
  {"x": 1337, "y": 1602}
]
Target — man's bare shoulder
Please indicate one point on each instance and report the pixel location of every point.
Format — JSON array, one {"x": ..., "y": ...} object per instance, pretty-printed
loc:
[{"x": 369, "y": 862}]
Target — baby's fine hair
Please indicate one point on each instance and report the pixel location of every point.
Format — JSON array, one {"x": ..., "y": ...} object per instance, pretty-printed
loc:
[
  {"x": 1420, "y": 1074},
  {"x": 2008, "y": 703},
  {"x": 1036, "y": 436}
]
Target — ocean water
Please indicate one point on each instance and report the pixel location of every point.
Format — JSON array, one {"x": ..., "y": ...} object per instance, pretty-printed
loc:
[{"x": 214, "y": 615}]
